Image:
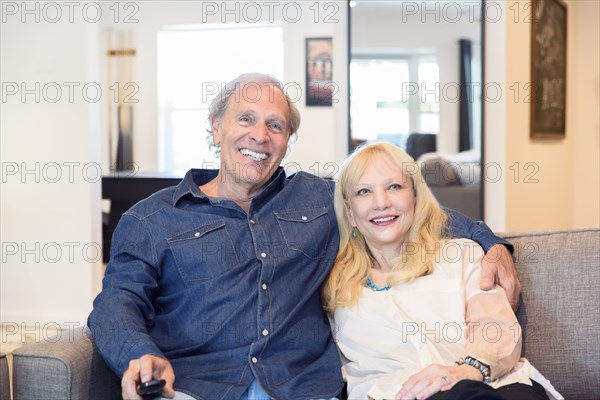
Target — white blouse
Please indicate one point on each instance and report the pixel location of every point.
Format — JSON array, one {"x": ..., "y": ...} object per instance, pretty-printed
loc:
[{"x": 387, "y": 336}]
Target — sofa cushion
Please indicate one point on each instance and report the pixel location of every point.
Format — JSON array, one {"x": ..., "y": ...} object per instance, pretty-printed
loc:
[
  {"x": 438, "y": 171},
  {"x": 560, "y": 307}
]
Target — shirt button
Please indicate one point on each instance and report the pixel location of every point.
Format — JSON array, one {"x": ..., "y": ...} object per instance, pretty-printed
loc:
[
  {"x": 254, "y": 360},
  {"x": 304, "y": 218},
  {"x": 197, "y": 234},
  {"x": 263, "y": 255},
  {"x": 252, "y": 222},
  {"x": 265, "y": 332},
  {"x": 264, "y": 286}
]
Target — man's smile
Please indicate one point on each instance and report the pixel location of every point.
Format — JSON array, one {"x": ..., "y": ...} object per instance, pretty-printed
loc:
[{"x": 253, "y": 155}]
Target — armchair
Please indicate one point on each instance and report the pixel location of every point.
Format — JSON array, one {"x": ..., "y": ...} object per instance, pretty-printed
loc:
[{"x": 420, "y": 143}]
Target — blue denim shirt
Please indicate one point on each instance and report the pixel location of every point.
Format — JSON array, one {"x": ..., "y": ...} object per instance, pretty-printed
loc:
[{"x": 228, "y": 296}]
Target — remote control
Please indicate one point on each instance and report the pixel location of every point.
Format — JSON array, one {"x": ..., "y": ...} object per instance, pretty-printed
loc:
[{"x": 151, "y": 389}]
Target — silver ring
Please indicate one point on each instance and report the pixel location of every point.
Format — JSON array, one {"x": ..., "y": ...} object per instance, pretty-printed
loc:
[{"x": 445, "y": 378}]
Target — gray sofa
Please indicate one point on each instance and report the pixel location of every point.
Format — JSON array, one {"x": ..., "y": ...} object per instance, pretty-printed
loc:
[{"x": 559, "y": 314}]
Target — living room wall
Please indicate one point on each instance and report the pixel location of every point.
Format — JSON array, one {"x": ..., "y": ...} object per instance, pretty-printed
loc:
[
  {"x": 584, "y": 119},
  {"x": 50, "y": 198},
  {"x": 562, "y": 189},
  {"x": 51, "y": 140}
]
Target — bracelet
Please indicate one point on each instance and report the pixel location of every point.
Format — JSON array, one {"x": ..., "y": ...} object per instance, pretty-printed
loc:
[{"x": 483, "y": 368}]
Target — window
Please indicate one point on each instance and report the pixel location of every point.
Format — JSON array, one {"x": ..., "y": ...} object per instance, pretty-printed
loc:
[
  {"x": 392, "y": 97},
  {"x": 429, "y": 105},
  {"x": 193, "y": 64}
]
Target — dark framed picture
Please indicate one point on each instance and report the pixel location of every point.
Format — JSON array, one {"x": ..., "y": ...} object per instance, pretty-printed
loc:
[
  {"x": 548, "y": 69},
  {"x": 319, "y": 68}
]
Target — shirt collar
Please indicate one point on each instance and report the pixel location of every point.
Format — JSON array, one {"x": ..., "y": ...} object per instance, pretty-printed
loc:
[{"x": 194, "y": 178}]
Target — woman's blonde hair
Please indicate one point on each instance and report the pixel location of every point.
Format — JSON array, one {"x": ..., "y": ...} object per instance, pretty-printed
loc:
[{"x": 351, "y": 268}]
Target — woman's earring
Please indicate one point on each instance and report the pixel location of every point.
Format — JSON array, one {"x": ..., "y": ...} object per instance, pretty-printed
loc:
[{"x": 353, "y": 234}]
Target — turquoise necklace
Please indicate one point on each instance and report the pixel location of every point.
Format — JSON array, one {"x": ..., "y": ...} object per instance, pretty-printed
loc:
[{"x": 375, "y": 287}]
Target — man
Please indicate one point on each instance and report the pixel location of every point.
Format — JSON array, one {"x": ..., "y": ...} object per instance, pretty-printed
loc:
[{"x": 213, "y": 285}]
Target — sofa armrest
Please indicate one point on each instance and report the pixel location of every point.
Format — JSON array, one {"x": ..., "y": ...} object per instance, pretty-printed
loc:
[
  {"x": 67, "y": 366},
  {"x": 4, "y": 378}
]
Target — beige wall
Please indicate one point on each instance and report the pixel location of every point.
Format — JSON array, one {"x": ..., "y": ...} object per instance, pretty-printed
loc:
[
  {"x": 584, "y": 121},
  {"x": 546, "y": 184}
]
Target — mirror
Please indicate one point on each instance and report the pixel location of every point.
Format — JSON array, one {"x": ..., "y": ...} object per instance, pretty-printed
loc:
[{"x": 415, "y": 80}]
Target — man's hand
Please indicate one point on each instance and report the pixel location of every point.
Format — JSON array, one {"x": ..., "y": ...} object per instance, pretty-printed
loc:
[
  {"x": 147, "y": 368},
  {"x": 498, "y": 267}
]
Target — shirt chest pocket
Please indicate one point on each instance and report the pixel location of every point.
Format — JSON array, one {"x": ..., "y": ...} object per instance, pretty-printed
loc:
[
  {"x": 306, "y": 231},
  {"x": 203, "y": 252}
]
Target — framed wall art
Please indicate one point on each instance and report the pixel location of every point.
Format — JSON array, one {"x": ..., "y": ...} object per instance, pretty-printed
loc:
[
  {"x": 320, "y": 88},
  {"x": 548, "y": 69}
]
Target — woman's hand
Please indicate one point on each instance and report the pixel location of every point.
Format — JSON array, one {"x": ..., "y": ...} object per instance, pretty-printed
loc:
[{"x": 436, "y": 378}]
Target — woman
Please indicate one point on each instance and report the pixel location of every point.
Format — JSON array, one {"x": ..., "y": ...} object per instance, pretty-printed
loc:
[{"x": 409, "y": 316}]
